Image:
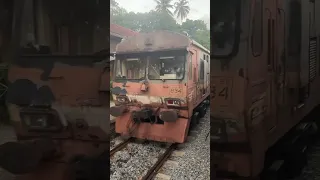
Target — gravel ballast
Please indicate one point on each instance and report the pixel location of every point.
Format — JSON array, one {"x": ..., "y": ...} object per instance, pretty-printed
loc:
[
  {"x": 312, "y": 170},
  {"x": 190, "y": 161},
  {"x": 194, "y": 164},
  {"x": 133, "y": 161}
]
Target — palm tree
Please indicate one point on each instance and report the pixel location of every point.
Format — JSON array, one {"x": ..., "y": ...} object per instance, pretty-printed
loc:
[
  {"x": 182, "y": 9},
  {"x": 113, "y": 7},
  {"x": 164, "y": 6}
]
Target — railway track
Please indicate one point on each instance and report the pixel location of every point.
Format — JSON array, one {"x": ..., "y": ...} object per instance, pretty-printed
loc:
[
  {"x": 120, "y": 146},
  {"x": 112, "y": 127},
  {"x": 146, "y": 160},
  {"x": 113, "y": 133},
  {"x": 152, "y": 172}
]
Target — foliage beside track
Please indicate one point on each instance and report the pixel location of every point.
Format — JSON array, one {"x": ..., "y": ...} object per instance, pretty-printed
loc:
[{"x": 160, "y": 20}]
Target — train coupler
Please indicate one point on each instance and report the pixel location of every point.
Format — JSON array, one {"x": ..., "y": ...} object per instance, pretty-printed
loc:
[{"x": 142, "y": 114}]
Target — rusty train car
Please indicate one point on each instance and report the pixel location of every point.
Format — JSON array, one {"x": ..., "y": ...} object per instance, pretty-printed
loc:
[
  {"x": 160, "y": 86},
  {"x": 265, "y": 78},
  {"x": 58, "y": 91}
]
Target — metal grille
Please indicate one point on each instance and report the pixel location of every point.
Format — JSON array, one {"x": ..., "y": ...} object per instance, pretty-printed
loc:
[{"x": 312, "y": 58}]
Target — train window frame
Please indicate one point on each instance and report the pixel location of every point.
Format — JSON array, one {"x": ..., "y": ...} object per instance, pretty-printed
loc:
[
  {"x": 184, "y": 56},
  {"x": 292, "y": 25},
  {"x": 312, "y": 19},
  {"x": 190, "y": 66},
  {"x": 237, "y": 33},
  {"x": 201, "y": 77},
  {"x": 194, "y": 74},
  {"x": 256, "y": 39},
  {"x": 119, "y": 67}
]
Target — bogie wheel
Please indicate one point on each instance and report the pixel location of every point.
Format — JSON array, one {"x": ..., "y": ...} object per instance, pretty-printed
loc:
[
  {"x": 274, "y": 172},
  {"x": 202, "y": 111},
  {"x": 295, "y": 162},
  {"x": 195, "y": 119}
]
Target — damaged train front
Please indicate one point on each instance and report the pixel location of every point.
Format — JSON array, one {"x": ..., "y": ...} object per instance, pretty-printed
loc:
[{"x": 150, "y": 87}]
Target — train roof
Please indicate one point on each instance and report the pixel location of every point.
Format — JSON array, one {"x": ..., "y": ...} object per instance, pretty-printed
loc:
[{"x": 156, "y": 41}]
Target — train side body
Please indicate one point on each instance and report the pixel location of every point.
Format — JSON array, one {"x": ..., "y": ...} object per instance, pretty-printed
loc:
[
  {"x": 167, "y": 99},
  {"x": 58, "y": 96},
  {"x": 264, "y": 79}
]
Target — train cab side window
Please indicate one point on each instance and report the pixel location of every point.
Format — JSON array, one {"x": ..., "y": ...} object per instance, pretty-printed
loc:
[
  {"x": 190, "y": 67},
  {"x": 201, "y": 69},
  {"x": 312, "y": 19},
  {"x": 257, "y": 29},
  {"x": 194, "y": 75},
  {"x": 294, "y": 40}
]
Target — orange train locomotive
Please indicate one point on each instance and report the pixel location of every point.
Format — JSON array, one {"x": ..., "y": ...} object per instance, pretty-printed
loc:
[
  {"x": 160, "y": 86},
  {"x": 264, "y": 80}
]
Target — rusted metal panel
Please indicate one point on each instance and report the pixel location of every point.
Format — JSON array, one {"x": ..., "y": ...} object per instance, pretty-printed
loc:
[
  {"x": 57, "y": 98},
  {"x": 154, "y": 41},
  {"x": 73, "y": 91},
  {"x": 265, "y": 98}
]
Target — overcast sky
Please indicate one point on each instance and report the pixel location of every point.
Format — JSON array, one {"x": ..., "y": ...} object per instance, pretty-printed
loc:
[{"x": 199, "y": 9}]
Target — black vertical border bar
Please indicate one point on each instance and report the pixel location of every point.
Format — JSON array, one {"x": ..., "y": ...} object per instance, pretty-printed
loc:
[
  {"x": 212, "y": 92},
  {"x": 103, "y": 17}
]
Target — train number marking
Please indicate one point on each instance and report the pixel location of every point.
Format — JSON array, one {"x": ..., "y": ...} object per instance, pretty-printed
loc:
[
  {"x": 221, "y": 91},
  {"x": 213, "y": 91},
  {"x": 224, "y": 93},
  {"x": 175, "y": 90}
]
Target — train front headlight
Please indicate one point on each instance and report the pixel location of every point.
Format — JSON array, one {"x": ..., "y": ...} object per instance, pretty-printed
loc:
[
  {"x": 173, "y": 102},
  {"x": 122, "y": 99},
  {"x": 37, "y": 122},
  {"x": 41, "y": 121}
]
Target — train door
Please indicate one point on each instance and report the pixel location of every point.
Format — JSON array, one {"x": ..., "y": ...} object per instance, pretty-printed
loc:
[
  {"x": 202, "y": 76},
  {"x": 262, "y": 71},
  {"x": 280, "y": 60},
  {"x": 207, "y": 74},
  {"x": 192, "y": 75},
  {"x": 308, "y": 49},
  {"x": 271, "y": 50},
  {"x": 191, "y": 84},
  {"x": 294, "y": 46},
  {"x": 195, "y": 61}
]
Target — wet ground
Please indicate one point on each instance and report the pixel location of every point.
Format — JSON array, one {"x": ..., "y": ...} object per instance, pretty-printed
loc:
[{"x": 312, "y": 170}]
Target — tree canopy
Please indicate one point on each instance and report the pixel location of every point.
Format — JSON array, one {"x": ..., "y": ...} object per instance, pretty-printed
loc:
[
  {"x": 182, "y": 9},
  {"x": 162, "y": 20},
  {"x": 164, "y": 6}
]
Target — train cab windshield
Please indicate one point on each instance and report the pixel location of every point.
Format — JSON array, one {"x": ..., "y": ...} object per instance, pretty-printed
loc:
[
  {"x": 225, "y": 24},
  {"x": 156, "y": 67},
  {"x": 131, "y": 68},
  {"x": 170, "y": 67}
]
